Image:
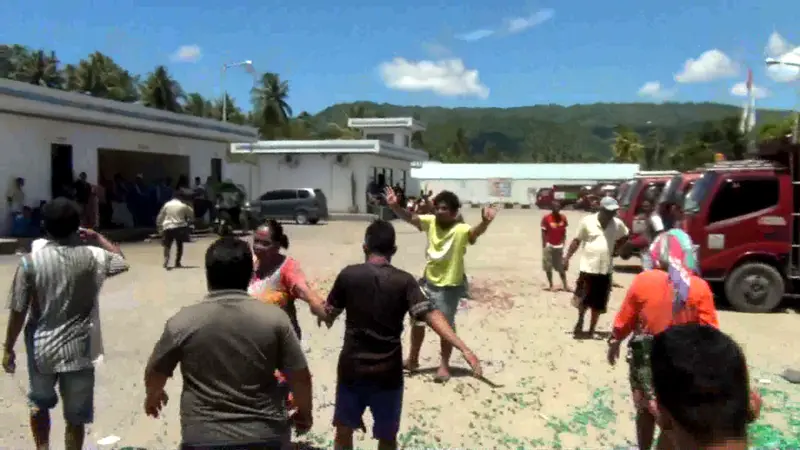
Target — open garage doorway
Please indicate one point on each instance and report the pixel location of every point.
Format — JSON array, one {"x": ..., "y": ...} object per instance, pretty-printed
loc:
[{"x": 153, "y": 167}]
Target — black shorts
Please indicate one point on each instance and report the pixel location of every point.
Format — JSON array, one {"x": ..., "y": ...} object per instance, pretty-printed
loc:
[
  {"x": 594, "y": 290},
  {"x": 180, "y": 234}
]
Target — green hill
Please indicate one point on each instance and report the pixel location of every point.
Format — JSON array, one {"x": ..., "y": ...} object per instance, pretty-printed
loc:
[{"x": 550, "y": 132}]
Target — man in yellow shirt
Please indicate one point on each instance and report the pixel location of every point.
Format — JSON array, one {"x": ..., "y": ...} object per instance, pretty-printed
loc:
[{"x": 443, "y": 280}]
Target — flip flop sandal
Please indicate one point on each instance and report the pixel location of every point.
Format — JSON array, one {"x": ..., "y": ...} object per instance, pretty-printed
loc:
[{"x": 441, "y": 379}]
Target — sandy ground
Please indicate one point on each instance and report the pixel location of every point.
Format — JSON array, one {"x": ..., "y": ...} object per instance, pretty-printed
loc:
[{"x": 551, "y": 391}]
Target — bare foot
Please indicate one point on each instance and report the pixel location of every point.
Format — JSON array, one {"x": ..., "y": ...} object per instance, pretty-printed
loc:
[
  {"x": 442, "y": 375},
  {"x": 566, "y": 289},
  {"x": 410, "y": 366}
]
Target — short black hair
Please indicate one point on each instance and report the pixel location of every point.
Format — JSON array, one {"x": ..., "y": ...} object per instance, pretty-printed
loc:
[
  {"x": 61, "y": 217},
  {"x": 380, "y": 238},
  {"x": 450, "y": 200},
  {"x": 700, "y": 377},
  {"x": 229, "y": 264},
  {"x": 276, "y": 233}
]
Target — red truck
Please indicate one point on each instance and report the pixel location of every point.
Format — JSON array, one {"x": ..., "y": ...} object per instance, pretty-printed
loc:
[
  {"x": 743, "y": 219},
  {"x": 645, "y": 186}
]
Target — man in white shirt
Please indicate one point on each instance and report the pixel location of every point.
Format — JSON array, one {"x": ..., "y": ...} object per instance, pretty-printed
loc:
[
  {"x": 174, "y": 222},
  {"x": 597, "y": 235}
]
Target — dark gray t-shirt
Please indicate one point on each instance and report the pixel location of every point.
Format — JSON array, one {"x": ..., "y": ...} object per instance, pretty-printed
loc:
[{"x": 229, "y": 347}]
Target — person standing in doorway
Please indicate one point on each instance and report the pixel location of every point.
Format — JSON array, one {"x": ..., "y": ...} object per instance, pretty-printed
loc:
[
  {"x": 83, "y": 196},
  {"x": 377, "y": 296},
  {"x": 444, "y": 277},
  {"x": 228, "y": 347},
  {"x": 598, "y": 235},
  {"x": 56, "y": 288},
  {"x": 554, "y": 234},
  {"x": 15, "y": 200},
  {"x": 174, "y": 222}
]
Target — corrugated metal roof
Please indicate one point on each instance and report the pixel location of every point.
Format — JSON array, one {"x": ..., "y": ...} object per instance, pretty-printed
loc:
[{"x": 607, "y": 171}]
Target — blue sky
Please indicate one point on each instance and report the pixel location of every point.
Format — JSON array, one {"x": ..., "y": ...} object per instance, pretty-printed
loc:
[{"x": 527, "y": 52}]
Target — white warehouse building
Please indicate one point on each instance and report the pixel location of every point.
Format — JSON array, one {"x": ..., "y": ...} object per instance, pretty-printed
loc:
[
  {"x": 510, "y": 183},
  {"x": 49, "y": 136},
  {"x": 342, "y": 169}
]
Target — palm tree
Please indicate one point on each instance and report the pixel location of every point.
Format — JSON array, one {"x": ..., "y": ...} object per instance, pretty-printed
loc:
[
  {"x": 270, "y": 103},
  {"x": 99, "y": 76},
  {"x": 198, "y": 106},
  {"x": 38, "y": 68},
  {"x": 161, "y": 91}
]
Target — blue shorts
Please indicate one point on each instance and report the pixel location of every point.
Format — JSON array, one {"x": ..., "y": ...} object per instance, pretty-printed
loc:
[
  {"x": 76, "y": 389},
  {"x": 444, "y": 298},
  {"x": 386, "y": 406}
]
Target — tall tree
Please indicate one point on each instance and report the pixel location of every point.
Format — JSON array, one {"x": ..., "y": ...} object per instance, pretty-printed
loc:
[
  {"x": 99, "y": 76},
  {"x": 627, "y": 146},
  {"x": 460, "y": 149},
  {"x": 198, "y": 106},
  {"x": 270, "y": 101},
  {"x": 161, "y": 91},
  {"x": 33, "y": 67}
]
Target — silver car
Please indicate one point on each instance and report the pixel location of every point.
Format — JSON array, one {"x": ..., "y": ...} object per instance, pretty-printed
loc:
[{"x": 304, "y": 206}]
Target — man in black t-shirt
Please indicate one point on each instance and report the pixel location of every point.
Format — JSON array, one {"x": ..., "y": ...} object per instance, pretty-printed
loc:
[{"x": 377, "y": 296}]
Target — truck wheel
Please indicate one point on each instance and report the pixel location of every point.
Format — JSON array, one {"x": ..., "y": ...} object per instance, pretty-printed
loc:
[{"x": 754, "y": 288}]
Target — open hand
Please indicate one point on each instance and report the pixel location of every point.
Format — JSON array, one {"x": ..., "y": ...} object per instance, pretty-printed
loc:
[
  {"x": 154, "y": 403},
  {"x": 9, "y": 361},
  {"x": 391, "y": 197},
  {"x": 302, "y": 421},
  {"x": 488, "y": 213},
  {"x": 474, "y": 363},
  {"x": 613, "y": 352}
]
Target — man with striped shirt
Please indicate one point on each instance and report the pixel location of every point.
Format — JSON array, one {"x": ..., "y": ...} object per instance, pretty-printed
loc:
[{"x": 56, "y": 288}]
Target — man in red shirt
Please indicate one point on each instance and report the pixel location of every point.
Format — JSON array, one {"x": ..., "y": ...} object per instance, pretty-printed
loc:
[{"x": 554, "y": 233}]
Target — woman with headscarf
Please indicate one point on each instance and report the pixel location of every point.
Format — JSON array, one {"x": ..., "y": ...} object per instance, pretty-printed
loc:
[
  {"x": 670, "y": 293},
  {"x": 278, "y": 279}
]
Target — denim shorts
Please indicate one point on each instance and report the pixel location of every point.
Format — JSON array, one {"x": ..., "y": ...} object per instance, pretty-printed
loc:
[
  {"x": 385, "y": 404},
  {"x": 444, "y": 298},
  {"x": 76, "y": 389}
]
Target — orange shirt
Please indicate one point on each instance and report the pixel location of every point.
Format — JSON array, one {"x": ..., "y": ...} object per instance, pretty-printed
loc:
[{"x": 647, "y": 307}]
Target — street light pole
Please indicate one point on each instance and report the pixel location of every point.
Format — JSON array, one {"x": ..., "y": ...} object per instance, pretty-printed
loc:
[
  {"x": 248, "y": 65},
  {"x": 781, "y": 62}
]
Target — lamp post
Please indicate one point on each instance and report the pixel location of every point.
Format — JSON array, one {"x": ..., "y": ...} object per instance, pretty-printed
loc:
[
  {"x": 783, "y": 62},
  {"x": 248, "y": 66}
]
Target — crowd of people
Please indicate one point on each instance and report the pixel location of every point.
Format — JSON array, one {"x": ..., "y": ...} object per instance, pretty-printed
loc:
[{"x": 246, "y": 381}]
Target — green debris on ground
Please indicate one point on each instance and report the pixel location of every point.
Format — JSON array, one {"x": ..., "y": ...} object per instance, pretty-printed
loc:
[{"x": 766, "y": 435}]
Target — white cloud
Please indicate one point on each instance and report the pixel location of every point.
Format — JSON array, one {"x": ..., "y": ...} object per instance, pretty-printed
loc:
[
  {"x": 187, "y": 53},
  {"x": 711, "y": 65},
  {"x": 514, "y": 25},
  {"x": 656, "y": 91},
  {"x": 518, "y": 24},
  {"x": 780, "y": 49},
  {"x": 476, "y": 35},
  {"x": 740, "y": 90},
  {"x": 436, "y": 50},
  {"x": 447, "y": 77},
  {"x": 777, "y": 46}
]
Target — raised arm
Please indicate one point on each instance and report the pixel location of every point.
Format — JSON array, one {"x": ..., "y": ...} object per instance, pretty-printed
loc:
[
  {"x": 487, "y": 216},
  {"x": 400, "y": 211}
]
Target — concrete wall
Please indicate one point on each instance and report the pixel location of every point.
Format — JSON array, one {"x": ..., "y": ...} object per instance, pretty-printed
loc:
[
  {"x": 25, "y": 145},
  {"x": 247, "y": 175},
  {"x": 479, "y": 191},
  {"x": 320, "y": 171}
]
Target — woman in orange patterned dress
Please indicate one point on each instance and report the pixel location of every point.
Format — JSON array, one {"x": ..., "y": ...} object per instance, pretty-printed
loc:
[{"x": 278, "y": 279}]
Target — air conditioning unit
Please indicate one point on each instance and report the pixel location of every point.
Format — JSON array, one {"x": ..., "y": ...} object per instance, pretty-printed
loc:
[
  {"x": 342, "y": 159},
  {"x": 291, "y": 160}
]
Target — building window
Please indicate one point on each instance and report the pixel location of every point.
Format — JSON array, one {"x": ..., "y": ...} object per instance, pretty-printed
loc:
[
  {"x": 407, "y": 141},
  {"x": 388, "y": 138}
]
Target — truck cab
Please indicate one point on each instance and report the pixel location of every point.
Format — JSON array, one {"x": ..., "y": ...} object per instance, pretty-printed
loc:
[
  {"x": 645, "y": 187},
  {"x": 742, "y": 218}
]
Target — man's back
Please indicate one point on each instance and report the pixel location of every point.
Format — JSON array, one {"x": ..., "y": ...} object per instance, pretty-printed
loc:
[
  {"x": 62, "y": 284},
  {"x": 376, "y": 298},
  {"x": 229, "y": 347},
  {"x": 174, "y": 214}
]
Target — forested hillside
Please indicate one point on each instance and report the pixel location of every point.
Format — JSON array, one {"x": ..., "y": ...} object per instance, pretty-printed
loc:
[{"x": 677, "y": 135}]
